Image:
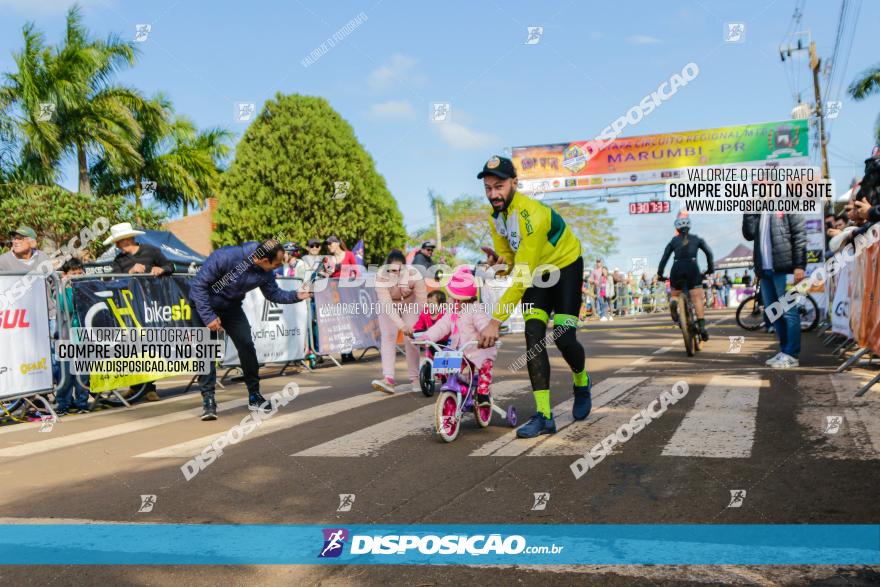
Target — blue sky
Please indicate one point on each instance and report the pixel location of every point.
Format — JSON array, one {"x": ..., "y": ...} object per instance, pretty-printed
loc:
[{"x": 595, "y": 60}]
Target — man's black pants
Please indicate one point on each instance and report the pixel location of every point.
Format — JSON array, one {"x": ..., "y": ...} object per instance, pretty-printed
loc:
[{"x": 237, "y": 327}]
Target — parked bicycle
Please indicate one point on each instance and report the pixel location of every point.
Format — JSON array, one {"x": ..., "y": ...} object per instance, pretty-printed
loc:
[{"x": 750, "y": 313}]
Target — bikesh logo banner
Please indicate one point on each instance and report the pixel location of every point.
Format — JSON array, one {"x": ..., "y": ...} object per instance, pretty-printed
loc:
[{"x": 133, "y": 302}]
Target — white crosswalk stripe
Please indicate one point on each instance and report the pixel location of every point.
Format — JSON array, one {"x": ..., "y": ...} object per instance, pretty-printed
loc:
[
  {"x": 78, "y": 438},
  {"x": 721, "y": 424},
  {"x": 603, "y": 392},
  {"x": 369, "y": 440},
  {"x": 280, "y": 421},
  {"x": 720, "y": 421}
]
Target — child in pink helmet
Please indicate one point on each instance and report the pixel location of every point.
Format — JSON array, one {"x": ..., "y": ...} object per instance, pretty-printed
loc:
[{"x": 464, "y": 323}]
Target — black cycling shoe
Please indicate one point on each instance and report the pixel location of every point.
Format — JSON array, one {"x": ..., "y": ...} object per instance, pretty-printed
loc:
[
  {"x": 704, "y": 334},
  {"x": 257, "y": 403},
  {"x": 210, "y": 408}
]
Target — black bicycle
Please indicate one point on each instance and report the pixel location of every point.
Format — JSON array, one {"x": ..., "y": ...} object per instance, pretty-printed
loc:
[
  {"x": 687, "y": 322},
  {"x": 750, "y": 313}
]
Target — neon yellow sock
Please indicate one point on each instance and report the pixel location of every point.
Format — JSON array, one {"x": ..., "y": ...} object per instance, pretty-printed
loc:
[
  {"x": 581, "y": 379},
  {"x": 542, "y": 402}
]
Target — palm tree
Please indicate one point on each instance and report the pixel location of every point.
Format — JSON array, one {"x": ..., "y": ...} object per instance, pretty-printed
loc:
[
  {"x": 88, "y": 114},
  {"x": 181, "y": 161},
  {"x": 867, "y": 84}
]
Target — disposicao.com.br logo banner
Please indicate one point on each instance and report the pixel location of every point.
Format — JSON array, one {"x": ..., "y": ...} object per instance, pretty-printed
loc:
[{"x": 536, "y": 544}]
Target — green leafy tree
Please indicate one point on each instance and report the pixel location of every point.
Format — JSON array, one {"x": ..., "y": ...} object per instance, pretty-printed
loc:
[
  {"x": 65, "y": 102},
  {"x": 464, "y": 224},
  {"x": 867, "y": 84},
  {"x": 58, "y": 215},
  {"x": 183, "y": 162},
  {"x": 283, "y": 182}
]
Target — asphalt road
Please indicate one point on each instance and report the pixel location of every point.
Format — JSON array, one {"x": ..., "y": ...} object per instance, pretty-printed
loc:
[{"x": 741, "y": 426}]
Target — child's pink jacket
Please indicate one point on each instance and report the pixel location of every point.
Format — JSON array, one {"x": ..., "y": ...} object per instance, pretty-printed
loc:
[{"x": 463, "y": 326}]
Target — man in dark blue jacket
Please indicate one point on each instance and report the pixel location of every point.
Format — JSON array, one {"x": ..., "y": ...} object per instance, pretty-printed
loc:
[
  {"x": 780, "y": 249},
  {"x": 218, "y": 290}
]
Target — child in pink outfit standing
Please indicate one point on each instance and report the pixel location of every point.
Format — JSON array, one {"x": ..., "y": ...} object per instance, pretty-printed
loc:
[
  {"x": 463, "y": 324},
  {"x": 402, "y": 297}
]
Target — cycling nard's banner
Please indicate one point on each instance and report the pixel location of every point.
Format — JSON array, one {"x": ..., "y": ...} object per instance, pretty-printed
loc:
[
  {"x": 347, "y": 317},
  {"x": 279, "y": 331},
  {"x": 132, "y": 302},
  {"x": 841, "y": 306},
  {"x": 25, "y": 363}
]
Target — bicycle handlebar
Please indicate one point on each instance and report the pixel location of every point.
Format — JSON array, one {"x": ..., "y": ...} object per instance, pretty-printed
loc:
[{"x": 437, "y": 347}]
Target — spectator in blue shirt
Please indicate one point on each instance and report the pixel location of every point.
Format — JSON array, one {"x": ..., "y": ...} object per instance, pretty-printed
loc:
[{"x": 217, "y": 292}]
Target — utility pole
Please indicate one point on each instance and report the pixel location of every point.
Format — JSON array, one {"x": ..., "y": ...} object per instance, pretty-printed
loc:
[
  {"x": 436, "y": 206},
  {"x": 815, "y": 64}
]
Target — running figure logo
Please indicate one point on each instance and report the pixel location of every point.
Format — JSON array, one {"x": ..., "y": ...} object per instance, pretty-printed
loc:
[
  {"x": 736, "y": 343},
  {"x": 441, "y": 112},
  {"x": 147, "y": 503},
  {"x": 47, "y": 109},
  {"x": 832, "y": 424},
  {"x": 340, "y": 189},
  {"x": 334, "y": 541},
  {"x": 734, "y": 32},
  {"x": 737, "y": 496},
  {"x": 141, "y": 32},
  {"x": 47, "y": 422},
  {"x": 832, "y": 109},
  {"x": 534, "y": 35},
  {"x": 346, "y": 500},
  {"x": 541, "y": 500}
]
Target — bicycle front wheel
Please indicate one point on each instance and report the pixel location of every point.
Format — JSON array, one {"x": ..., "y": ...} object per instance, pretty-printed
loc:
[
  {"x": 684, "y": 321},
  {"x": 750, "y": 314},
  {"x": 808, "y": 310}
]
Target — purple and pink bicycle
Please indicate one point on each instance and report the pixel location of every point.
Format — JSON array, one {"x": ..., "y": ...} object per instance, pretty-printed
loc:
[{"x": 458, "y": 392}]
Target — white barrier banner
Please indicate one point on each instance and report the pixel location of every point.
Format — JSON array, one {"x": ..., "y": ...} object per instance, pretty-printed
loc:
[
  {"x": 25, "y": 361},
  {"x": 840, "y": 310},
  {"x": 280, "y": 331},
  {"x": 490, "y": 295}
]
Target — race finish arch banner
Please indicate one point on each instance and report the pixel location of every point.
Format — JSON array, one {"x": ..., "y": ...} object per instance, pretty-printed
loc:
[
  {"x": 653, "y": 159},
  {"x": 25, "y": 362},
  {"x": 132, "y": 302},
  {"x": 347, "y": 317},
  {"x": 279, "y": 330}
]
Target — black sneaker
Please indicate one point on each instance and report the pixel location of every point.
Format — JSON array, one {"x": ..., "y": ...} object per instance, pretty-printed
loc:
[
  {"x": 61, "y": 411},
  {"x": 210, "y": 408},
  {"x": 257, "y": 403}
]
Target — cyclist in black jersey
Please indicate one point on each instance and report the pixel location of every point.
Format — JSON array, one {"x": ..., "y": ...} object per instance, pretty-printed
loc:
[{"x": 685, "y": 269}]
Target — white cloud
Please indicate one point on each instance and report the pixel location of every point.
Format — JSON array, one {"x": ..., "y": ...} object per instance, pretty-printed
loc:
[
  {"x": 400, "y": 69},
  {"x": 459, "y": 136},
  {"x": 642, "y": 40},
  {"x": 393, "y": 109},
  {"x": 47, "y": 6}
]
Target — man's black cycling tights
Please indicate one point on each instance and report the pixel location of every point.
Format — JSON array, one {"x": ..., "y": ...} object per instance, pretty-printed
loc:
[{"x": 563, "y": 300}]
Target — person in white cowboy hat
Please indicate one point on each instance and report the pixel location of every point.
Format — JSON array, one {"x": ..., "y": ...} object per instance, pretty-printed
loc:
[{"x": 136, "y": 257}]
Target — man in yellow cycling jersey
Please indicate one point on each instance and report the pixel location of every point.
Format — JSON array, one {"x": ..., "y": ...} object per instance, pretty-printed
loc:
[{"x": 530, "y": 236}]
